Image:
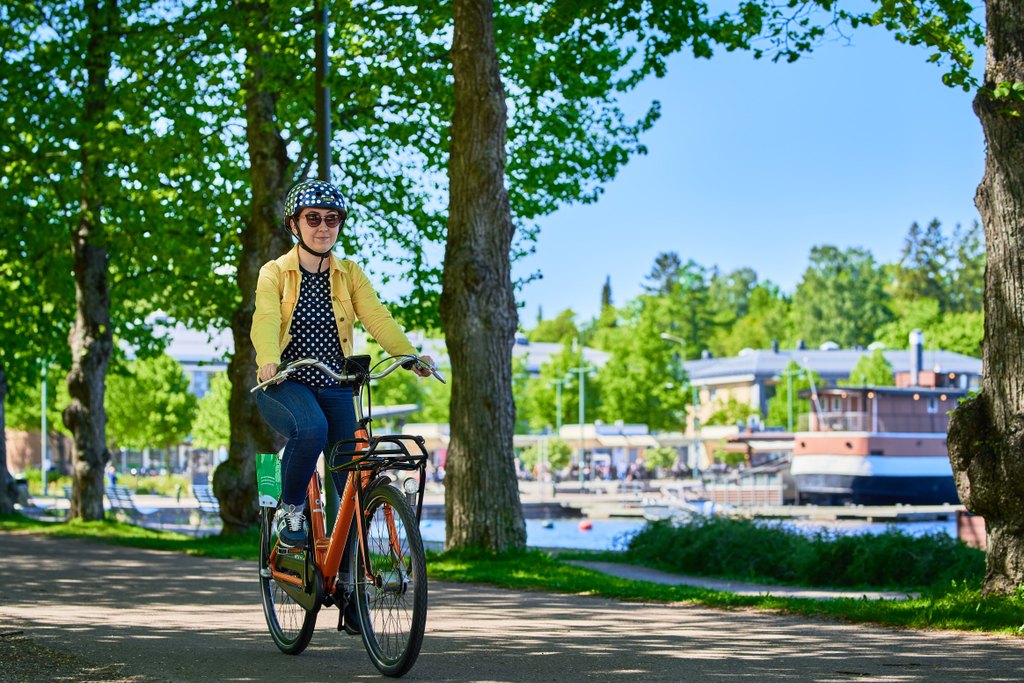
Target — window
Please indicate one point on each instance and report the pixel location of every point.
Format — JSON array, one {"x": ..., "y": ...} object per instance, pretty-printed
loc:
[{"x": 933, "y": 404}]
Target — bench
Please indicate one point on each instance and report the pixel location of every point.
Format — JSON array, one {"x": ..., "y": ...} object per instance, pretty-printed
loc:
[
  {"x": 209, "y": 506},
  {"x": 123, "y": 501}
]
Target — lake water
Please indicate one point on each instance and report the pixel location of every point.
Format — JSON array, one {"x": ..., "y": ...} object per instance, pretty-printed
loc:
[{"x": 614, "y": 534}]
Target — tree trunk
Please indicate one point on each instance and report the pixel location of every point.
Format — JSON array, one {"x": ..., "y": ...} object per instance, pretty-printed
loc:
[
  {"x": 91, "y": 337},
  {"x": 986, "y": 433},
  {"x": 482, "y": 507},
  {"x": 8, "y": 490},
  {"x": 234, "y": 481}
]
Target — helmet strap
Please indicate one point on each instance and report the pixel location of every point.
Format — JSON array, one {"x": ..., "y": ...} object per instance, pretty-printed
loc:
[{"x": 322, "y": 254}]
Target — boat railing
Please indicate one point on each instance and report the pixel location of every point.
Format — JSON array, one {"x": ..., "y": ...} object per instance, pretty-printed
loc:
[{"x": 866, "y": 422}]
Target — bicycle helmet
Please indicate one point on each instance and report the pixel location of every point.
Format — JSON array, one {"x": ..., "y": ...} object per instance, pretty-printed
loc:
[{"x": 308, "y": 194}]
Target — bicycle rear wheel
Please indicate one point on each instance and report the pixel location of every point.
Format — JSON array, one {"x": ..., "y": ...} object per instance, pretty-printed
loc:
[
  {"x": 392, "y": 603},
  {"x": 291, "y": 626}
]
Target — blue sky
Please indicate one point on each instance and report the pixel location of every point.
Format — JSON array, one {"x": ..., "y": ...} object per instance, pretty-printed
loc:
[{"x": 753, "y": 163}]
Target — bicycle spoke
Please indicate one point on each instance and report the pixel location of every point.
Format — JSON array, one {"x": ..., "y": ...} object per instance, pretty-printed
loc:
[{"x": 394, "y": 600}]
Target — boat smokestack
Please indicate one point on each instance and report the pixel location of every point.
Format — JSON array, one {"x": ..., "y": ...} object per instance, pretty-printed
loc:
[{"x": 916, "y": 356}]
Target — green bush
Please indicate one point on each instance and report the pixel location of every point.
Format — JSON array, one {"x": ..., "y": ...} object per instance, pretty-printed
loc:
[
  {"x": 54, "y": 482},
  {"x": 161, "y": 485},
  {"x": 745, "y": 549}
]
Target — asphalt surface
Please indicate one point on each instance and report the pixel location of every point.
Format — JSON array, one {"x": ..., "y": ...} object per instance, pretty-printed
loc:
[{"x": 153, "y": 616}]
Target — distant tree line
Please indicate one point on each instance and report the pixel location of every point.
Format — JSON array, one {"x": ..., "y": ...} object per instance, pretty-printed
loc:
[{"x": 845, "y": 296}]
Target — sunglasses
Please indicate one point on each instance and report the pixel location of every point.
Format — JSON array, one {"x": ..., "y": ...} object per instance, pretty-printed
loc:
[{"x": 332, "y": 220}]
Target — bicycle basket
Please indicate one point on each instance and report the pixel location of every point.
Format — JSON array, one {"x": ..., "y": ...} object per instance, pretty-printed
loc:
[{"x": 268, "y": 479}]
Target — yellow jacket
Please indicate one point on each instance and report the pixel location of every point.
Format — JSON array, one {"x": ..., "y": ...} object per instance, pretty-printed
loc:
[{"x": 352, "y": 297}]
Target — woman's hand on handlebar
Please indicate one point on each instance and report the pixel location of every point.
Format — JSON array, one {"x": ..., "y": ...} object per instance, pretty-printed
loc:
[
  {"x": 423, "y": 368},
  {"x": 267, "y": 371}
]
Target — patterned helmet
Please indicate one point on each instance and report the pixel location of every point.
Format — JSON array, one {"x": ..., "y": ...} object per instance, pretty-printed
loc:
[{"x": 317, "y": 193}]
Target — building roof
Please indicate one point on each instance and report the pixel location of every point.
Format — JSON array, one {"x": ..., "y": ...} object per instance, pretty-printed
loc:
[
  {"x": 538, "y": 353},
  {"x": 192, "y": 347},
  {"x": 761, "y": 365}
]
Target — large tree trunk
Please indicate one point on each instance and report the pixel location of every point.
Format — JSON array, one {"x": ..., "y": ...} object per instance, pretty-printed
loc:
[
  {"x": 986, "y": 433},
  {"x": 8, "y": 490},
  {"x": 234, "y": 481},
  {"x": 91, "y": 337},
  {"x": 482, "y": 508}
]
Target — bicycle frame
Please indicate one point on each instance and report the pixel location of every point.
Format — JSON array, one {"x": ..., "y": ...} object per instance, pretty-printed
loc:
[{"x": 369, "y": 457}]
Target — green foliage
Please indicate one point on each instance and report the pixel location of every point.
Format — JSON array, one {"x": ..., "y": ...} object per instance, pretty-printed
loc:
[
  {"x": 212, "y": 427},
  {"x": 537, "y": 397},
  {"x": 560, "y": 330},
  {"x": 158, "y": 485},
  {"x": 871, "y": 370},
  {"x": 436, "y": 399},
  {"x": 721, "y": 546},
  {"x": 778, "y": 405},
  {"x": 767, "y": 320},
  {"x": 949, "y": 270},
  {"x": 961, "y": 332},
  {"x": 149, "y": 405},
  {"x": 642, "y": 382},
  {"x": 664, "y": 274},
  {"x": 728, "y": 457},
  {"x": 731, "y": 411},
  {"x": 841, "y": 298},
  {"x": 912, "y": 314},
  {"x": 661, "y": 457},
  {"x": 54, "y": 482},
  {"x": 557, "y": 453},
  {"x": 24, "y": 404}
]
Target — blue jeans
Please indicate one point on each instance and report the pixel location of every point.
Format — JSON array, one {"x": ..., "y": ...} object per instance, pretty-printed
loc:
[{"x": 312, "y": 419}]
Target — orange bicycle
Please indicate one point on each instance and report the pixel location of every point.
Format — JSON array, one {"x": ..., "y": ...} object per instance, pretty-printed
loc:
[{"x": 386, "y": 576}]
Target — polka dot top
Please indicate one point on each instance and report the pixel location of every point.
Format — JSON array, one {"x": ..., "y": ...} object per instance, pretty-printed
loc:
[{"x": 314, "y": 332}]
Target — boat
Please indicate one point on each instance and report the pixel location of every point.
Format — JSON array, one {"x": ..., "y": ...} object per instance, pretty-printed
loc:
[
  {"x": 678, "y": 503},
  {"x": 876, "y": 446}
]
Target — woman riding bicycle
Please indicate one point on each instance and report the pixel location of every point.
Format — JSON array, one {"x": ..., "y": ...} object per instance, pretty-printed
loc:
[{"x": 306, "y": 303}]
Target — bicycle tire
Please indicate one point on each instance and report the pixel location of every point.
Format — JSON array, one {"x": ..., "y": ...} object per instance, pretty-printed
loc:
[
  {"x": 291, "y": 625},
  {"x": 393, "y": 607}
]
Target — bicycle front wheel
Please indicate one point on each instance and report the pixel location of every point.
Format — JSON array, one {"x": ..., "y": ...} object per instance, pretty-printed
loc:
[
  {"x": 291, "y": 626},
  {"x": 391, "y": 594}
]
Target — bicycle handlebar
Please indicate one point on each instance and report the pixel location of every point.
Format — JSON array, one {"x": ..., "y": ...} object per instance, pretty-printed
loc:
[{"x": 360, "y": 377}]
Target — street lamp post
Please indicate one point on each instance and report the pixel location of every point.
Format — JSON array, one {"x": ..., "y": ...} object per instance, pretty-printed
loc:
[
  {"x": 332, "y": 499},
  {"x": 789, "y": 374},
  {"x": 694, "y": 398},
  {"x": 581, "y": 369},
  {"x": 43, "y": 456},
  {"x": 558, "y": 402}
]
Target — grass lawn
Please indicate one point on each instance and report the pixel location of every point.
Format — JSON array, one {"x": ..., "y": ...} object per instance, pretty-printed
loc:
[{"x": 955, "y": 607}]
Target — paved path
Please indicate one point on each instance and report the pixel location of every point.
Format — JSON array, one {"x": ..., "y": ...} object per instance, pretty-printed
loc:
[{"x": 171, "y": 617}]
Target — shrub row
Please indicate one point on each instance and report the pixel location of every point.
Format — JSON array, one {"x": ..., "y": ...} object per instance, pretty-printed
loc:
[{"x": 745, "y": 549}]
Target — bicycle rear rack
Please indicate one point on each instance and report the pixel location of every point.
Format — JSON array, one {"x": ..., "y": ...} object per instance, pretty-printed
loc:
[{"x": 379, "y": 453}]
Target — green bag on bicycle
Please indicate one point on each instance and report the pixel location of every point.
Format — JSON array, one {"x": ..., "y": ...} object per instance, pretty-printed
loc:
[{"x": 268, "y": 479}]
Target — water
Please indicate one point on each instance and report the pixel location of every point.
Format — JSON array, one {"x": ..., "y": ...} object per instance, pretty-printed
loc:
[
  {"x": 614, "y": 534},
  {"x": 605, "y": 534}
]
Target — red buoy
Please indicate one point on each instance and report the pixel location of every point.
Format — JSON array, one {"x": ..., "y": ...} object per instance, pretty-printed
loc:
[{"x": 585, "y": 525}]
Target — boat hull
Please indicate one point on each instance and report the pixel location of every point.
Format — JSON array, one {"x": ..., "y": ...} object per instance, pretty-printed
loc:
[{"x": 874, "y": 480}]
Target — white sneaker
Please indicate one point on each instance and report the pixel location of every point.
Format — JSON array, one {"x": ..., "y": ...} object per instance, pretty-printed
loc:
[{"x": 290, "y": 524}]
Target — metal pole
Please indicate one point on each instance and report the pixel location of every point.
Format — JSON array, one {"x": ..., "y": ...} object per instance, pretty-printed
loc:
[
  {"x": 558, "y": 405},
  {"x": 582, "y": 412},
  {"x": 44, "y": 456},
  {"x": 323, "y": 93},
  {"x": 323, "y": 151},
  {"x": 789, "y": 421}
]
